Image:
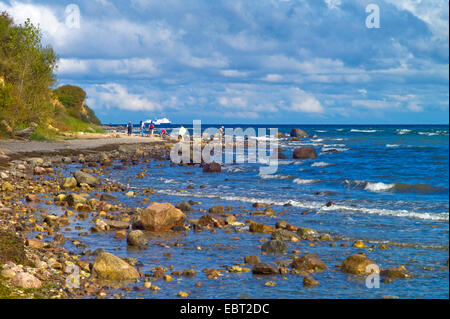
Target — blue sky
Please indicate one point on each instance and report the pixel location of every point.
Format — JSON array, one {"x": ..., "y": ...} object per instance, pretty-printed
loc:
[{"x": 252, "y": 61}]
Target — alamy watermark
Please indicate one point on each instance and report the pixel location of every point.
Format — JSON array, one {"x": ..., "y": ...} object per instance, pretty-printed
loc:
[
  {"x": 73, "y": 16},
  {"x": 373, "y": 19},
  {"x": 228, "y": 146}
]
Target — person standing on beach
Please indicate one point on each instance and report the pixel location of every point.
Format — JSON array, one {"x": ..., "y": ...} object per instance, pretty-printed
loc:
[
  {"x": 181, "y": 132},
  {"x": 142, "y": 128},
  {"x": 221, "y": 132},
  {"x": 152, "y": 127},
  {"x": 129, "y": 128}
]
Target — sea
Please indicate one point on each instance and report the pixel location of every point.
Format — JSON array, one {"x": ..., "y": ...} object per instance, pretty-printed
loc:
[{"x": 388, "y": 184}]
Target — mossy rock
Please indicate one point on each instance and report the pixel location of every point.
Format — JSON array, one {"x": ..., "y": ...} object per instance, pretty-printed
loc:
[{"x": 12, "y": 249}]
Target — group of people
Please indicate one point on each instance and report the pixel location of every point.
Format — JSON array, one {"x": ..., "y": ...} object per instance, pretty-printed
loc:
[{"x": 162, "y": 133}]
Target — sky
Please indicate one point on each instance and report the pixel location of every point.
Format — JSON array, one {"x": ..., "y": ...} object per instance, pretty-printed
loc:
[{"x": 251, "y": 61}]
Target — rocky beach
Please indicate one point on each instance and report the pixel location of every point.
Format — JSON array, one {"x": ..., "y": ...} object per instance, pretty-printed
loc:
[{"x": 87, "y": 218}]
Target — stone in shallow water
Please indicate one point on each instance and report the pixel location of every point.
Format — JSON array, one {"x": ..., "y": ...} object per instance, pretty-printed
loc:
[
  {"x": 274, "y": 247},
  {"x": 265, "y": 269},
  {"x": 107, "y": 266}
]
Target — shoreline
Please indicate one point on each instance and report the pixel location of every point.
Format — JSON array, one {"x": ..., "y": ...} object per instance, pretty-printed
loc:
[{"x": 32, "y": 186}]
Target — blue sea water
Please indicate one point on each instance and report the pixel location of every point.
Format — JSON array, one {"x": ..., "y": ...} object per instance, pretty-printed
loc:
[{"x": 388, "y": 184}]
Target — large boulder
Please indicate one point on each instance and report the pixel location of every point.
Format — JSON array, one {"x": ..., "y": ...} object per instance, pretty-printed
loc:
[
  {"x": 265, "y": 269},
  {"x": 26, "y": 281},
  {"x": 109, "y": 267},
  {"x": 357, "y": 264},
  {"x": 274, "y": 247},
  {"x": 307, "y": 152},
  {"x": 296, "y": 132},
  {"x": 309, "y": 262},
  {"x": 212, "y": 168},
  {"x": 162, "y": 217},
  {"x": 85, "y": 178}
]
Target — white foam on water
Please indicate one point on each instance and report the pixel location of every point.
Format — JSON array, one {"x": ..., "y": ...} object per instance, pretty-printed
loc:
[
  {"x": 363, "y": 131},
  {"x": 339, "y": 149},
  {"x": 321, "y": 207},
  {"x": 389, "y": 212},
  {"x": 301, "y": 181},
  {"x": 275, "y": 176},
  {"x": 321, "y": 164},
  {"x": 392, "y": 145},
  {"x": 378, "y": 187},
  {"x": 403, "y": 131},
  {"x": 168, "y": 180},
  {"x": 321, "y": 131}
]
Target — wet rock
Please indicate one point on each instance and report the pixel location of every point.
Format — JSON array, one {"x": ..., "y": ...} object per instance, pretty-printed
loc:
[
  {"x": 184, "y": 206},
  {"x": 285, "y": 235},
  {"x": 396, "y": 273},
  {"x": 217, "y": 210},
  {"x": 74, "y": 199},
  {"x": 265, "y": 269},
  {"x": 26, "y": 281},
  {"x": 309, "y": 282},
  {"x": 274, "y": 247},
  {"x": 116, "y": 224},
  {"x": 107, "y": 266},
  {"x": 211, "y": 221},
  {"x": 69, "y": 183},
  {"x": 85, "y": 178},
  {"x": 281, "y": 224},
  {"x": 309, "y": 262},
  {"x": 212, "y": 168},
  {"x": 252, "y": 259},
  {"x": 189, "y": 273},
  {"x": 260, "y": 205},
  {"x": 296, "y": 132},
  {"x": 108, "y": 198},
  {"x": 307, "y": 152},
  {"x": 161, "y": 217},
  {"x": 136, "y": 238},
  {"x": 260, "y": 228},
  {"x": 305, "y": 232},
  {"x": 357, "y": 264}
]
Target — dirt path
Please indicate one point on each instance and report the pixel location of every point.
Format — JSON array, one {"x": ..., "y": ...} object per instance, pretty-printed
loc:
[{"x": 87, "y": 142}]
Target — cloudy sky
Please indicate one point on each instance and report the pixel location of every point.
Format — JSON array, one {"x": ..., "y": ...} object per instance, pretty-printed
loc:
[{"x": 251, "y": 61}]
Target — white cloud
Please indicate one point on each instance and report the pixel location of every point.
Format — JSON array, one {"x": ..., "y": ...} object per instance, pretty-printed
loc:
[
  {"x": 233, "y": 73},
  {"x": 113, "y": 95},
  {"x": 333, "y": 4},
  {"x": 375, "y": 104},
  {"x": 134, "y": 67},
  {"x": 273, "y": 78},
  {"x": 302, "y": 101}
]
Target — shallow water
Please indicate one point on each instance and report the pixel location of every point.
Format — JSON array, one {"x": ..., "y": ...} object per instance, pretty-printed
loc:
[{"x": 389, "y": 184}]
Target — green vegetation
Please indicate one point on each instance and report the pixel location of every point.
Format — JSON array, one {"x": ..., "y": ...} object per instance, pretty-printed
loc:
[
  {"x": 12, "y": 249},
  {"x": 26, "y": 95}
]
